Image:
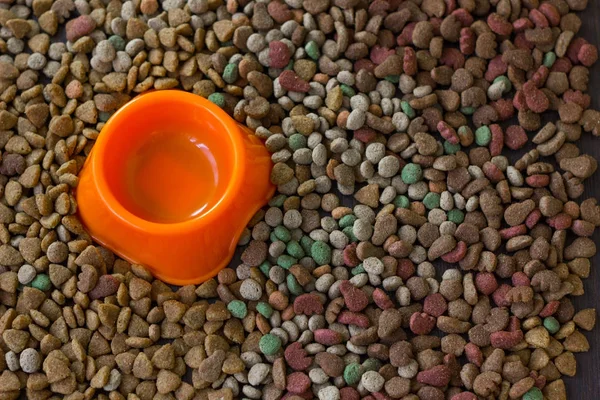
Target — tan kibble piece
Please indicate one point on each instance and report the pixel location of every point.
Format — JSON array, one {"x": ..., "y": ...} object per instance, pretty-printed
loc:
[
  {"x": 167, "y": 381},
  {"x": 586, "y": 319},
  {"x": 566, "y": 363}
]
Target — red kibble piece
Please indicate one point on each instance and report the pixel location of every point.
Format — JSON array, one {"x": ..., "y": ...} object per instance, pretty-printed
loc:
[
  {"x": 504, "y": 108},
  {"x": 421, "y": 323},
  {"x": 464, "y": 396},
  {"x": 578, "y": 97},
  {"x": 457, "y": 254},
  {"x": 499, "y": 296},
  {"x": 467, "y": 41},
  {"x": 405, "y": 38},
  {"x": 533, "y": 218},
  {"x": 350, "y": 318},
  {"x": 356, "y": 299},
  {"x": 538, "y": 180},
  {"x": 464, "y": 16},
  {"x": 499, "y": 24},
  {"x": 540, "y": 380},
  {"x": 405, "y": 269},
  {"x": 519, "y": 101},
  {"x": 436, "y": 23},
  {"x": 562, "y": 64},
  {"x": 474, "y": 354},
  {"x": 365, "y": 134},
  {"x": 435, "y": 305},
  {"x": 560, "y": 221},
  {"x": 514, "y": 324},
  {"x": 573, "y": 49},
  {"x": 515, "y": 137},
  {"x": 551, "y": 13},
  {"x": 549, "y": 309},
  {"x": 296, "y": 357},
  {"x": 279, "y": 54},
  {"x": 365, "y": 64},
  {"x": 521, "y": 42},
  {"x": 380, "y": 54},
  {"x": 540, "y": 76},
  {"x": 308, "y": 304},
  {"x": 107, "y": 286},
  {"x": 379, "y": 7},
  {"x": 447, "y": 132},
  {"x": 486, "y": 283},
  {"x": 492, "y": 172},
  {"x": 535, "y": 99},
  {"x": 520, "y": 279},
  {"x": 587, "y": 54},
  {"x": 297, "y": 382},
  {"x": 496, "y": 67},
  {"x": 513, "y": 231},
  {"x": 382, "y": 300},
  {"x": 349, "y": 393},
  {"x": 349, "y": 255},
  {"x": 328, "y": 337},
  {"x": 289, "y": 80},
  {"x": 435, "y": 376},
  {"x": 522, "y": 24},
  {"x": 539, "y": 19},
  {"x": 506, "y": 340},
  {"x": 452, "y": 58},
  {"x": 450, "y": 6},
  {"x": 279, "y": 11},
  {"x": 410, "y": 61},
  {"x": 497, "y": 142}
]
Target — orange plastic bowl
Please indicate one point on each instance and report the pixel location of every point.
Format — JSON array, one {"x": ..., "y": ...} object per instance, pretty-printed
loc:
[{"x": 171, "y": 183}]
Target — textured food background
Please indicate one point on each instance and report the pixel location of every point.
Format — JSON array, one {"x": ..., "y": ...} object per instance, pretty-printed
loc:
[{"x": 586, "y": 384}]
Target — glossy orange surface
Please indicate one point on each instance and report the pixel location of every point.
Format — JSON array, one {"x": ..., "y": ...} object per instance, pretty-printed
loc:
[{"x": 171, "y": 183}]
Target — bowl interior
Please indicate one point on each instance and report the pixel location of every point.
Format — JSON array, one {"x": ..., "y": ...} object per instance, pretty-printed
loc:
[{"x": 167, "y": 162}]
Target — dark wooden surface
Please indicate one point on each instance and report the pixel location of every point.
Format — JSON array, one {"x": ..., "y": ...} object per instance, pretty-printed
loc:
[{"x": 586, "y": 384}]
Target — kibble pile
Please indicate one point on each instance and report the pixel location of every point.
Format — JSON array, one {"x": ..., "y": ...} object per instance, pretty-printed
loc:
[{"x": 450, "y": 278}]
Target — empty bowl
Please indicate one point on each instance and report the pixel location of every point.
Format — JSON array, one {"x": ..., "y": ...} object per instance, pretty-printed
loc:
[{"x": 171, "y": 183}]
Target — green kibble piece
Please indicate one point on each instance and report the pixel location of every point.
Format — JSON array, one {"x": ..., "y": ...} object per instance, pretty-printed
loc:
[
  {"x": 352, "y": 373},
  {"x": 549, "y": 59},
  {"x": 237, "y": 308},
  {"x": 371, "y": 364},
  {"x": 290, "y": 65},
  {"x": 347, "y": 90},
  {"x": 359, "y": 269},
  {"x": 393, "y": 78},
  {"x": 103, "y": 116},
  {"x": 483, "y": 135},
  {"x": 264, "y": 309},
  {"x": 294, "y": 249},
  {"x": 306, "y": 242},
  {"x": 350, "y": 233},
  {"x": 217, "y": 98},
  {"x": 230, "y": 73},
  {"x": 312, "y": 49},
  {"x": 282, "y": 233},
  {"x": 117, "y": 42},
  {"x": 273, "y": 238},
  {"x": 411, "y": 173},
  {"x": 264, "y": 268},
  {"x": 320, "y": 252},
  {"x": 533, "y": 394},
  {"x": 456, "y": 216},
  {"x": 41, "y": 282},
  {"x": 269, "y": 344},
  {"x": 467, "y": 110},
  {"x": 277, "y": 201},
  {"x": 407, "y": 109},
  {"x": 551, "y": 324},
  {"x": 294, "y": 287},
  {"x": 401, "y": 201},
  {"x": 451, "y": 148},
  {"x": 431, "y": 200},
  {"x": 505, "y": 81},
  {"x": 286, "y": 262},
  {"x": 297, "y": 141},
  {"x": 347, "y": 220}
]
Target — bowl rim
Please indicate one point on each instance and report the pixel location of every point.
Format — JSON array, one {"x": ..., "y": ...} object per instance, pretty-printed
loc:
[{"x": 101, "y": 147}]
